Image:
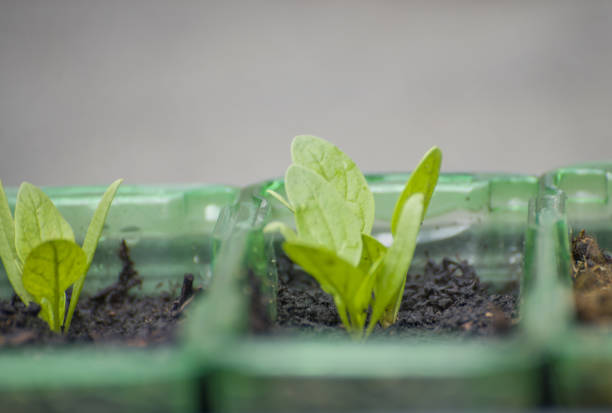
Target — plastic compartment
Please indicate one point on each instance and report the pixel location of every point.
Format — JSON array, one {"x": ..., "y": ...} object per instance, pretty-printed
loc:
[
  {"x": 169, "y": 231},
  {"x": 481, "y": 218},
  {"x": 581, "y": 374}
]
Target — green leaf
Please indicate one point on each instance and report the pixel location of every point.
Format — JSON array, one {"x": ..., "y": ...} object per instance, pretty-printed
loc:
[
  {"x": 364, "y": 297},
  {"x": 49, "y": 270},
  {"x": 422, "y": 180},
  {"x": 46, "y": 310},
  {"x": 372, "y": 252},
  {"x": 321, "y": 215},
  {"x": 94, "y": 231},
  {"x": 337, "y": 168},
  {"x": 47, "y": 313},
  {"x": 37, "y": 220},
  {"x": 8, "y": 252},
  {"x": 350, "y": 287},
  {"x": 391, "y": 275}
]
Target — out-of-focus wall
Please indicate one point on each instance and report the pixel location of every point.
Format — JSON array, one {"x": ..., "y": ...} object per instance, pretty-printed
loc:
[{"x": 186, "y": 91}]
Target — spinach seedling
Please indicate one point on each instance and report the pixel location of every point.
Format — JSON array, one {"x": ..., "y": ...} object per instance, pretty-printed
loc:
[
  {"x": 333, "y": 209},
  {"x": 40, "y": 256}
]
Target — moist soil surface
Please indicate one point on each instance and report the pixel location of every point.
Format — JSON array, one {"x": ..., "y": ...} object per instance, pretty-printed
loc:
[
  {"x": 592, "y": 275},
  {"x": 447, "y": 297},
  {"x": 116, "y": 314}
]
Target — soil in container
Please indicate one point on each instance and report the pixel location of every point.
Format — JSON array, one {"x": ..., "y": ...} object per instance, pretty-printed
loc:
[
  {"x": 116, "y": 314},
  {"x": 447, "y": 297},
  {"x": 592, "y": 276}
]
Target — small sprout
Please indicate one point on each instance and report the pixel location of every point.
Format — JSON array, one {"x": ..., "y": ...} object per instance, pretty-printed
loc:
[
  {"x": 283, "y": 228},
  {"x": 333, "y": 209},
  {"x": 40, "y": 256},
  {"x": 280, "y": 199}
]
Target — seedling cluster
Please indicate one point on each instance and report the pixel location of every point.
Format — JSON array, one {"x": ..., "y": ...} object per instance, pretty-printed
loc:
[
  {"x": 333, "y": 209},
  {"x": 39, "y": 253}
]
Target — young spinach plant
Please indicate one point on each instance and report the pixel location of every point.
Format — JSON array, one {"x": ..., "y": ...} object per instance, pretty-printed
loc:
[
  {"x": 333, "y": 209},
  {"x": 40, "y": 255}
]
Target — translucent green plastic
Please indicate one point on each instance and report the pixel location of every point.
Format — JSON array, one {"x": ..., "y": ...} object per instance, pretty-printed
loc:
[
  {"x": 480, "y": 218},
  {"x": 581, "y": 366},
  {"x": 512, "y": 228},
  {"x": 169, "y": 230}
]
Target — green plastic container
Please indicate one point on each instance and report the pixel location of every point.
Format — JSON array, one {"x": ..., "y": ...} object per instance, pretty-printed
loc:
[
  {"x": 481, "y": 218},
  {"x": 169, "y": 231},
  {"x": 581, "y": 373}
]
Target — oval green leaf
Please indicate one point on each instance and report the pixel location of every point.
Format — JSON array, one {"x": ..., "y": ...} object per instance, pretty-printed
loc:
[
  {"x": 422, "y": 180},
  {"x": 49, "y": 270},
  {"x": 321, "y": 215},
  {"x": 333, "y": 165},
  {"x": 37, "y": 220}
]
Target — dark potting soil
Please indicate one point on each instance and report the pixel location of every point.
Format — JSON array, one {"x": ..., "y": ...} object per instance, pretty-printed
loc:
[
  {"x": 447, "y": 297},
  {"x": 592, "y": 275},
  {"x": 115, "y": 314}
]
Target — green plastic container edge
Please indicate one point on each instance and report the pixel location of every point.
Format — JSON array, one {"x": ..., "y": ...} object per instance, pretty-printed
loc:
[{"x": 581, "y": 356}]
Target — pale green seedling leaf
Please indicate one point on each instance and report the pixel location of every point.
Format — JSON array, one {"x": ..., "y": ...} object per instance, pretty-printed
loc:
[
  {"x": 347, "y": 284},
  {"x": 283, "y": 228},
  {"x": 46, "y": 310},
  {"x": 343, "y": 313},
  {"x": 337, "y": 168},
  {"x": 280, "y": 199},
  {"x": 8, "y": 252},
  {"x": 422, "y": 180},
  {"x": 49, "y": 270},
  {"x": 94, "y": 231},
  {"x": 307, "y": 256},
  {"x": 364, "y": 297},
  {"x": 37, "y": 220},
  {"x": 321, "y": 215},
  {"x": 372, "y": 252},
  {"x": 371, "y": 259},
  {"x": 391, "y": 275}
]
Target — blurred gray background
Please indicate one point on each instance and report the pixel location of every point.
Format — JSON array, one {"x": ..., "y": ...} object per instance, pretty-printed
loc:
[{"x": 202, "y": 91}]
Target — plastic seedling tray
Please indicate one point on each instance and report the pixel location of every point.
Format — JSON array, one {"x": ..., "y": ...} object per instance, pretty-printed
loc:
[
  {"x": 169, "y": 232},
  {"x": 581, "y": 373},
  {"x": 480, "y": 218}
]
